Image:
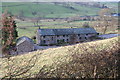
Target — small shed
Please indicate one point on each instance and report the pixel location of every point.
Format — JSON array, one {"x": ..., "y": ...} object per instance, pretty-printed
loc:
[{"x": 24, "y": 44}]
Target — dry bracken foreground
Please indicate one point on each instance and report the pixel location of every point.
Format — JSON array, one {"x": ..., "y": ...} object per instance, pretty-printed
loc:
[{"x": 95, "y": 59}]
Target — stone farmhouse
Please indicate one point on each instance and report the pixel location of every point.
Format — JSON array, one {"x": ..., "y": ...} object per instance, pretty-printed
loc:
[{"x": 54, "y": 36}]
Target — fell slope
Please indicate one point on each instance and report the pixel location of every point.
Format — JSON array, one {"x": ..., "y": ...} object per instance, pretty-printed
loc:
[
  {"x": 51, "y": 10},
  {"x": 48, "y": 10},
  {"x": 51, "y": 59}
]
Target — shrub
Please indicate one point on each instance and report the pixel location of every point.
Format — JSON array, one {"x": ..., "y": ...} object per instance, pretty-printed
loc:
[{"x": 86, "y": 25}]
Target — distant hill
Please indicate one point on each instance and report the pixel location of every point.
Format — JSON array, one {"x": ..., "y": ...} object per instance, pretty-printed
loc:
[{"x": 50, "y": 10}]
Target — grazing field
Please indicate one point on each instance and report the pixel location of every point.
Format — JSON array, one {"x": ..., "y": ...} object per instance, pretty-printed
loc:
[
  {"x": 52, "y": 10},
  {"x": 48, "y": 61},
  {"x": 27, "y": 28},
  {"x": 48, "y": 10}
]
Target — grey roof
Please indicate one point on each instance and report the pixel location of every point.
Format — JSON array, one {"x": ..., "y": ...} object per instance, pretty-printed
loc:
[
  {"x": 109, "y": 35},
  {"x": 24, "y": 38},
  {"x": 66, "y": 31}
]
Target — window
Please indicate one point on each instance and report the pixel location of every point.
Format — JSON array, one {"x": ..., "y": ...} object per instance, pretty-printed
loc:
[
  {"x": 57, "y": 35},
  {"x": 57, "y": 41},
  {"x": 52, "y": 38},
  {"x": 78, "y": 34},
  {"x": 66, "y": 35},
  {"x": 63, "y": 40},
  {"x": 44, "y": 41},
  {"x": 43, "y": 36},
  {"x": 85, "y": 37},
  {"x": 67, "y": 40},
  {"x": 80, "y": 38},
  {"x": 63, "y": 35},
  {"x": 86, "y": 34}
]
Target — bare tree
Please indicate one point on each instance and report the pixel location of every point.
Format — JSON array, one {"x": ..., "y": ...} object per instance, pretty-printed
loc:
[
  {"x": 86, "y": 25},
  {"x": 37, "y": 20},
  {"x": 105, "y": 18}
]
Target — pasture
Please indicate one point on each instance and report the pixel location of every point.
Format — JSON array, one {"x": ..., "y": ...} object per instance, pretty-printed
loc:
[{"x": 27, "y": 28}]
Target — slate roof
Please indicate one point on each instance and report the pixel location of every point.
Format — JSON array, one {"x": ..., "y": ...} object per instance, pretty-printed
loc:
[
  {"x": 24, "y": 38},
  {"x": 109, "y": 35},
  {"x": 66, "y": 31},
  {"x": 116, "y": 14}
]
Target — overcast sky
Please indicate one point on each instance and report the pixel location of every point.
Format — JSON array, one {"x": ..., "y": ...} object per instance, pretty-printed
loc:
[{"x": 57, "y": 0}]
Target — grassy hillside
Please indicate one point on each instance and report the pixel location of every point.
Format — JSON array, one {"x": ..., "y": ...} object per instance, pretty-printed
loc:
[
  {"x": 48, "y": 9},
  {"x": 63, "y": 62},
  {"x": 112, "y": 4},
  {"x": 51, "y": 10}
]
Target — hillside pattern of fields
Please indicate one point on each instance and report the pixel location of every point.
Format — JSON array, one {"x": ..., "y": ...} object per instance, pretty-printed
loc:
[{"x": 51, "y": 10}]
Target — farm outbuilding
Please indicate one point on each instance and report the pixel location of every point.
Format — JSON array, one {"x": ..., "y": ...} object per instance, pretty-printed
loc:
[{"x": 24, "y": 44}]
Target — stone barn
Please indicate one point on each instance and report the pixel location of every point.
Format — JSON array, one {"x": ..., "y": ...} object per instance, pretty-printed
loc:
[{"x": 24, "y": 44}]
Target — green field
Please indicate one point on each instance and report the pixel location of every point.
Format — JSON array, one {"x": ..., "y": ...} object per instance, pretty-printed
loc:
[
  {"x": 26, "y": 28},
  {"x": 49, "y": 10}
]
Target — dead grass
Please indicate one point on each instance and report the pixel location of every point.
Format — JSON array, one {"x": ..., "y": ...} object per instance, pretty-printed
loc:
[{"x": 53, "y": 56}]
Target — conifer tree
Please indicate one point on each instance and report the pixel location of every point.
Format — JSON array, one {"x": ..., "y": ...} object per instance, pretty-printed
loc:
[{"x": 9, "y": 33}]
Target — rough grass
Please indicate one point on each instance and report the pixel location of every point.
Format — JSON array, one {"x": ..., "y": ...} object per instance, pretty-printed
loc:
[{"x": 55, "y": 56}]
